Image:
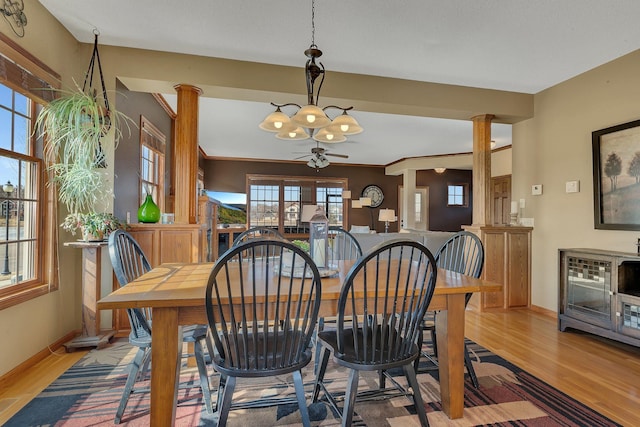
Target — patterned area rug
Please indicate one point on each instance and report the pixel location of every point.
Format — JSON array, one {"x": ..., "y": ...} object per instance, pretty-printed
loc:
[{"x": 89, "y": 392}]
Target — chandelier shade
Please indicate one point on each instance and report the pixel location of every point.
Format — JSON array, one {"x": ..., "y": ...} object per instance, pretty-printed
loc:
[
  {"x": 275, "y": 122},
  {"x": 311, "y": 120},
  {"x": 292, "y": 133},
  {"x": 345, "y": 124},
  {"x": 311, "y": 117},
  {"x": 327, "y": 136}
]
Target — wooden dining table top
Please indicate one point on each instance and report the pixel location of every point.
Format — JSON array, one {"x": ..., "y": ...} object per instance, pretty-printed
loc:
[{"x": 168, "y": 283}]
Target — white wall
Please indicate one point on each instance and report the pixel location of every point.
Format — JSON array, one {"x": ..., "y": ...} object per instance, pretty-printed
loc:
[{"x": 555, "y": 147}]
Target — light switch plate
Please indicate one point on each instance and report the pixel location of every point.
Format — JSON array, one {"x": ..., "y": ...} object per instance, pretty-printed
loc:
[
  {"x": 526, "y": 222},
  {"x": 536, "y": 189},
  {"x": 572, "y": 186}
]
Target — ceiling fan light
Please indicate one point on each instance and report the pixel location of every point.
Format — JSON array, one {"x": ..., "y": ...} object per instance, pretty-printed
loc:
[
  {"x": 329, "y": 137},
  {"x": 291, "y": 133},
  {"x": 311, "y": 163},
  {"x": 345, "y": 124},
  {"x": 275, "y": 121},
  {"x": 439, "y": 170},
  {"x": 311, "y": 116}
]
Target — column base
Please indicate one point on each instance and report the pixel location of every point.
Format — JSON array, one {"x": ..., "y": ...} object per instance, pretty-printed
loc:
[{"x": 98, "y": 341}]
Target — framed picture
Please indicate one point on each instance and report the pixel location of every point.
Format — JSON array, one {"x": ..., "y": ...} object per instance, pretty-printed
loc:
[{"x": 616, "y": 177}]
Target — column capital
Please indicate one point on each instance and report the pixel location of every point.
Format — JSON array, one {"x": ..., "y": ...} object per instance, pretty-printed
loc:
[{"x": 187, "y": 87}]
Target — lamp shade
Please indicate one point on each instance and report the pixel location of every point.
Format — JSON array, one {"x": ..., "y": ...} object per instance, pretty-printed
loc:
[
  {"x": 308, "y": 211},
  {"x": 387, "y": 215},
  {"x": 292, "y": 133},
  {"x": 275, "y": 122},
  {"x": 325, "y": 135},
  {"x": 345, "y": 124},
  {"x": 365, "y": 201},
  {"x": 311, "y": 116}
]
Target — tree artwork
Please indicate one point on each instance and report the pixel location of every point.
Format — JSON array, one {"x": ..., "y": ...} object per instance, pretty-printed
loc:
[
  {"x": 634, "y": 167},
  {"x": 612, "y": 169}
]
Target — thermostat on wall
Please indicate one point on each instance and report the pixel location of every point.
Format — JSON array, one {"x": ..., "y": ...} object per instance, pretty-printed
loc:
[{"x": 536, "y": 189}]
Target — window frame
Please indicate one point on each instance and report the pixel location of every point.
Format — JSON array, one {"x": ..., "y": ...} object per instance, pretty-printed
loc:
[
  {"x": 153, "y": 140},
  {"x": 309, "y": 193},
  {"x": 465, "y": 195},
  {"x": 27, "y": 75}
]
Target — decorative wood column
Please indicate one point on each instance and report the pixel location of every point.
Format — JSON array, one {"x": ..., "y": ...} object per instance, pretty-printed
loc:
[
  {"x": 482, "y": 169},
  {"x": 185, "y": 154}
]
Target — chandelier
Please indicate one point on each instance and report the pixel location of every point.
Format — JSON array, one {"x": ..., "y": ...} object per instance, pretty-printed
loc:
[{"x": 311, "y": 120}]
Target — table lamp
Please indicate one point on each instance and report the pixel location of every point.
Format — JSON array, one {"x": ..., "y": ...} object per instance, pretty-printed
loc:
[{"x": 387, "y": 215}]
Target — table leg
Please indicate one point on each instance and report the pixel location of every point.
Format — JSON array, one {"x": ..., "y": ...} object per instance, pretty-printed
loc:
[
  {"x": 450, "y": 336},
  {"x": 166, "y": 351}
]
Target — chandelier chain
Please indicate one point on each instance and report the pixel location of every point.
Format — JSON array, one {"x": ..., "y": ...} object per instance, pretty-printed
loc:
[{"x": 313, "y": 23}]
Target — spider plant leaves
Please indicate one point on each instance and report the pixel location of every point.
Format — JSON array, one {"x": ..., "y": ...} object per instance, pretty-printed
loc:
[{"x": 73, "y": 126}]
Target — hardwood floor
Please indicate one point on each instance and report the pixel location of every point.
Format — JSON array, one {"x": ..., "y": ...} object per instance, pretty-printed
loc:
[{"x": 602, "y": 374}]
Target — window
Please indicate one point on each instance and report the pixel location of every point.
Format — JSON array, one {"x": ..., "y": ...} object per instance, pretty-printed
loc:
[
  {"x": 277, "y": 201},
  {"x": 152, "y": 148},
  {"x": 28, "y": 207},
  {"x": 457, "y": 195}
]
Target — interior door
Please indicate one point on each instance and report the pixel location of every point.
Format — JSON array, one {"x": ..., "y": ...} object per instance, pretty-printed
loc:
[
  {"x": 500, "y": 199},
  {"x": 421, "y": 208}
]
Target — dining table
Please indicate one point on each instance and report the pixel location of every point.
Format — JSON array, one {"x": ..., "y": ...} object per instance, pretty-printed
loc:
[{"x": 175, "y": 292}]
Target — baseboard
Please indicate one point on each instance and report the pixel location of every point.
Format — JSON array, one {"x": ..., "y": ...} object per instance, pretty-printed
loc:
[
  {"x": 38, "y": 357},
  {"x": 544, "y": 311}
]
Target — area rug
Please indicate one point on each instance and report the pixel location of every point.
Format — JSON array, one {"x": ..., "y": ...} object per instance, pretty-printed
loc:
[{"x": 89, "y": 392}]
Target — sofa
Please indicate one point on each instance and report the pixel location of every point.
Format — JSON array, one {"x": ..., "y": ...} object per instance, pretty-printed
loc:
[{"x": 433, "y": 240}]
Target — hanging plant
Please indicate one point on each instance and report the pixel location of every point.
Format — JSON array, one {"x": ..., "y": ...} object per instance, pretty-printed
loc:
[{"x": 73, "y": 125}]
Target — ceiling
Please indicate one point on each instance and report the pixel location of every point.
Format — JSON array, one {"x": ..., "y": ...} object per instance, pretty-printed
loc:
[{"x": 513, "y": 45}]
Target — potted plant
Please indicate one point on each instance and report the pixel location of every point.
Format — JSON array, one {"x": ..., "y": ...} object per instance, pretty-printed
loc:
[
  {"x": 74, "y": 125},
  {"x": 93, "y": 226}
]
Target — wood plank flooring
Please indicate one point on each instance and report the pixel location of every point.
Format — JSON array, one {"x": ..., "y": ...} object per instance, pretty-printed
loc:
[{"x": 602, "y": 374}]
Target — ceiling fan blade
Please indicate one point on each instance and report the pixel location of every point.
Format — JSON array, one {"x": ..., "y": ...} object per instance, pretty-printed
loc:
[
  {"x": 302, "y": 157},
  {"x": 344, "y": 156}
]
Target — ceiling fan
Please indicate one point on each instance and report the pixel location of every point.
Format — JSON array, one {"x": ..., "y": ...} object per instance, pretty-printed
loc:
[{"x": 318, "y": 158}]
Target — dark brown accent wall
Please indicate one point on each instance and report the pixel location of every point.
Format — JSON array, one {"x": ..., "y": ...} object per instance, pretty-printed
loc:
[
  {"x": 127, "y": 154},
  {"x": 441, "y": 216},
  {"x": 230, "y": 176}
]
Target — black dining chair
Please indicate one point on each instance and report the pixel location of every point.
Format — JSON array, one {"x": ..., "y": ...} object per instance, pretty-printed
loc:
[
  {"x": 380, "y": 309},
  {"x": 257, "y": 339},
  {"x": 343, "y": 246},
  {"x": 258, "y": 233},
  {"x": 463, "y": 253},
  {"x": 129, "y": 263}
]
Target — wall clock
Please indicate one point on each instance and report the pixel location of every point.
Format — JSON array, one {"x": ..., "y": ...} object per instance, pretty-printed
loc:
[{"x": 375, "y": 193}]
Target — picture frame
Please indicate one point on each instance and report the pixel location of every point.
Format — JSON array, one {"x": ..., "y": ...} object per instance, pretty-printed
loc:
[{"x": 616, "y": 177}]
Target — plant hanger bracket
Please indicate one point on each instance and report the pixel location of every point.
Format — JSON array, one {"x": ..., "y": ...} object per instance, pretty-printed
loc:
[{"x": 95, "y": 57}]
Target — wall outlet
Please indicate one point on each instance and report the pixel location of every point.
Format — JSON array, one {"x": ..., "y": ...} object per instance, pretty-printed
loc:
[
  {"x": 526, "y": 222},
  {"x": 536, "y": 189},
  {"x": 572, "y": 186}
]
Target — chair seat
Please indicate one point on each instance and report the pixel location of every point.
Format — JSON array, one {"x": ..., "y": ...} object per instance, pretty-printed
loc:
[
  {"x": 260, "y": 357},
  {"x": 376, "y": 361}
]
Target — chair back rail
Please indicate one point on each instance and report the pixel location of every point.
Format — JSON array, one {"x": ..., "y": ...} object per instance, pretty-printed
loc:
[
  {"x": 399, "y": 280},
  {"x": 129, "y": 262},
  {"x": 262, "y": 302}
]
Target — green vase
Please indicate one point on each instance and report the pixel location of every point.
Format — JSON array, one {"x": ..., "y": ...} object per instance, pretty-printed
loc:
[{"x": 149, "y": 211}]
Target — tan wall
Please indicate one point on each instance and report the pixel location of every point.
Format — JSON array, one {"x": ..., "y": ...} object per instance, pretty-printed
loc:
[
  {"x": 31, "y": 326},
  {"x": 555, "y": 147}
]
